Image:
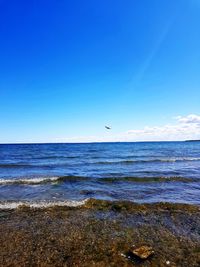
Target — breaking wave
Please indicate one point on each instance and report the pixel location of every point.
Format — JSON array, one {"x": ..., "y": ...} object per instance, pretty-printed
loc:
[
  {"x": 28, "y": 181},
  {"x": 41, "y": 180},
  {"x": 98, "y": 204},
  {"x": 74, "y": 179},
  {"x": 41, "y": 204}
]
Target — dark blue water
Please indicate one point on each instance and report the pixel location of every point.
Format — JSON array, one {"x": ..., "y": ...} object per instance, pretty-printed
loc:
[{"x": 139, "y": 172}]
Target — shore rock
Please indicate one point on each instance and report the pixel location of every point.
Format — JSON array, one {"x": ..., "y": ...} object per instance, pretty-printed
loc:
[{"x": 143, "y": 252}]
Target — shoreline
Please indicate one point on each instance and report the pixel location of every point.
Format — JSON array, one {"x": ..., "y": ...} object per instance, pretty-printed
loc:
[
  {"x": 96, "y": 204},
  {"x": 99, "y": 233}
]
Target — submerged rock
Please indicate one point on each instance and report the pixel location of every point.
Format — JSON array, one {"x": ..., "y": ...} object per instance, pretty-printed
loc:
[{"x": 143, "y": 252}]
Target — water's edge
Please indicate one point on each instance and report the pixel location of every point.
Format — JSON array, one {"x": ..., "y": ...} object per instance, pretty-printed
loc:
[{"x": 96, "y": 204}]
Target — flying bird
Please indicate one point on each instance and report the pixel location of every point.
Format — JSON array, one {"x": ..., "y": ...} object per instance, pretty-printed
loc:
[{"x": 108, "y": 128}]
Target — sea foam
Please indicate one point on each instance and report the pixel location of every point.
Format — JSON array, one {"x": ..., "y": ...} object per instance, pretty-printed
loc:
[
  {"x": 32, "y": 181},
  {"x": 41, "y": 204}
]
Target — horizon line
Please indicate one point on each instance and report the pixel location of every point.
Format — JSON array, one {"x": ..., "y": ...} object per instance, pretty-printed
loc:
[{"x": 97, "y": 142}]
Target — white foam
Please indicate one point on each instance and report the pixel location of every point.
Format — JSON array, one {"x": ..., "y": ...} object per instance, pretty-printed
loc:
[
  {"x": 179, "y": 159},
  {"x": 28, "y": 181},
  {"x": 42, "y": 204}
]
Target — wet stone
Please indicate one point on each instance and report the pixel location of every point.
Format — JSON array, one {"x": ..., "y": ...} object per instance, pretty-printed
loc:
[{"x": 143, "y": 252}]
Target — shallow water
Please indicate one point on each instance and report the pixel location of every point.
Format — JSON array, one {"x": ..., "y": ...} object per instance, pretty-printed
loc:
[{"x": 140, "y": 172}]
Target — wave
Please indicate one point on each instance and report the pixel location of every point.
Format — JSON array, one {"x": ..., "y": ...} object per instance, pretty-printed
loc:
[
  {"x": 41, "y": 204},
  {"x": 56, "y": 157},
  {"x": 28, "y": 181},
  {"x": 148, "y": 179},
  {"x": 179, "y": 159},
  {"x": 74, "y": 179},
  {"x": 14, "y": 165},
  {"x": 147, "y": 161},
  {"x": 35, "y": 166},
  {"x": 121, "y": 162},
  {"x": 42, "y": 180},
  {"x": 99, "y": 204},
  {"x": 21, "y": 165}
]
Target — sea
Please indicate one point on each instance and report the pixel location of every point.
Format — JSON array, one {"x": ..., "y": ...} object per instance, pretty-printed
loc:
[{"x": 69, "y": 174}]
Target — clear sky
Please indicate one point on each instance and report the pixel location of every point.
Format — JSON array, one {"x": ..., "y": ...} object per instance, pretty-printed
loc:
[{"x": 68, "y": 68}]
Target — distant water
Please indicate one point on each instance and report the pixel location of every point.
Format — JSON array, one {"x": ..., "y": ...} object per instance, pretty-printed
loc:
[{"x": 46, "y": 174}]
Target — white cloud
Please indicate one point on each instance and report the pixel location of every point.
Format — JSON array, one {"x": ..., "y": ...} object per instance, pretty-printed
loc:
[
  {"x": 192, "y": 118},
  {"x": 185, "y": 127}
]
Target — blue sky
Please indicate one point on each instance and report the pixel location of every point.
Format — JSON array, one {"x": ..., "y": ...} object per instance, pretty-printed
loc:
[{"x": 67, "y": 68}]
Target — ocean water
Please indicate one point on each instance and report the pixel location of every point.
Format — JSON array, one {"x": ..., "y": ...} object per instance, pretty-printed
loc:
[{"x": 69, "y": 174}]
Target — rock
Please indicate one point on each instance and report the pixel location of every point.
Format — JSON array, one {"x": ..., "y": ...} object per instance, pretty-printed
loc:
[{"x": 143, "y": 252}]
